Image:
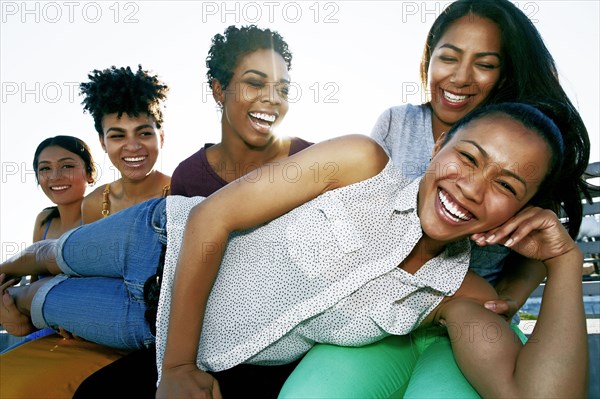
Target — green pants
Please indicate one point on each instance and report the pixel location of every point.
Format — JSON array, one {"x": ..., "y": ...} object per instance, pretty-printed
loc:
[{"x": 420, "y": 365}]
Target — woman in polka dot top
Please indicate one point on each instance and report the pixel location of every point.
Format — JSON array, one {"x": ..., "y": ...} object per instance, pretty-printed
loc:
[{"x": 331, "y": 245}]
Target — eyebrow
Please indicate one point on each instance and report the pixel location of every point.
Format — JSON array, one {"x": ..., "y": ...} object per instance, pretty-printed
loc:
[
  {"x": 60, "y": 160},
  {"x": 504, "y": 171},
  {"x": 263, "y": 75},
  {"x": 480, "y": 54},
  {"x": 137, "y": 128}
]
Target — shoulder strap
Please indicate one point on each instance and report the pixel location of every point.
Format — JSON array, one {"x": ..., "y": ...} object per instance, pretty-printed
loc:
[{"x": 106, "y": 201}]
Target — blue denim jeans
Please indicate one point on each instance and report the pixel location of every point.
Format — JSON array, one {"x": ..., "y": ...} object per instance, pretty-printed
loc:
[{"x": 100, "y": 296}]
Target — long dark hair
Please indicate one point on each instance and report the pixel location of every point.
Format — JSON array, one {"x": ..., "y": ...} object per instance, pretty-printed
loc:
[{"x": 528, "y": 74}]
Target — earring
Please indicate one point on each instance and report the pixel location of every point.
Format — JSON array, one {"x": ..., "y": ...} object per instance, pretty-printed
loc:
[{"x": 219, "y": 106}]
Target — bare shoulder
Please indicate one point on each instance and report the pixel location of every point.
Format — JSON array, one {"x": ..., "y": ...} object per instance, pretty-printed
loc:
[
  {"x": 91, "y": 206},
  {"x": 38, "y": 229},
  {"x": 164, "y": 180},
  {"x": 474, "y": 289}
]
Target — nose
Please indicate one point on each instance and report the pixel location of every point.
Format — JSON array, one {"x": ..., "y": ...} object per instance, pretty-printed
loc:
[
  {"x": 270, "y": 94},
  {"x": 53, "y": 174},
  {"x": 133, "y": 144},
  {"x": 461, "y": 75},
  {"x": 472, "y": 185}
]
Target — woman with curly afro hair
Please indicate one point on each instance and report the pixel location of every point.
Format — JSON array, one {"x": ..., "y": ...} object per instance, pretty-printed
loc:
[
  {"x": 248, "y": 74},
  {"x": 126, "y": 107}
]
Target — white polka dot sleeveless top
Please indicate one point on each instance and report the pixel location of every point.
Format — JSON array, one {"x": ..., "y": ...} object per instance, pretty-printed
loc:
[{"x": 324, "y": 272}]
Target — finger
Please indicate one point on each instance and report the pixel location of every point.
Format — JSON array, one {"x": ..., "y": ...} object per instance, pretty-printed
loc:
[
  {"x": 498, "y": 307},
  {"x": 8, "y": 301},
  {"x": 216, "y": 391},
  {"x": 542, "y": 220},
  {"x": 494, "y": 235},
  {"x": 8, "y": 283},
  {"x": 516, "y": 227}
]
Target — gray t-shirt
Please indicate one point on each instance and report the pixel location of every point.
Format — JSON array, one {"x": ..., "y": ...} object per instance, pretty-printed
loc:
[{"x": 405, "y": 132}]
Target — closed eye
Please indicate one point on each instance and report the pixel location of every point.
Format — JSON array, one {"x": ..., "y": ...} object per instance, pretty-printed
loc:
[
  {"x": 445, "y": 58},
  {"x": 254, "y": 83},
  {"x": 507, "y": 187},
  {"x": 469, "y": 158},
  {"x": 486, "y": 66}
]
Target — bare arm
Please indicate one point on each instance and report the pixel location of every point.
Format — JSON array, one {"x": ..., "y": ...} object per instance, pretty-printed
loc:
[
  {"x": 38, "y": 258},
  {"x": 520, "y": 276},
  {"x": 242, "y": 204},
  {"x": 553, "y": 363},
  {"x": 91, "y": 206},
  {"x": 38, "y": 233}
]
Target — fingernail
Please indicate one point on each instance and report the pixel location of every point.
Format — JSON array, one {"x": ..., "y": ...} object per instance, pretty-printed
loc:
[
  {"x": 508, "y": 242},
  {"x": 490, "y": 306},
  {"x": 490, "y": 238}
]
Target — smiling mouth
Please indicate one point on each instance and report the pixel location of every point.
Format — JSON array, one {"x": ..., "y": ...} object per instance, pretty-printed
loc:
[
  {"x": 133, "y": 159},
  {"x": 453, "y": 210},
  {"x": 59, "y": 188},
  {"x": 455, "y": 98},
  {"x": 262, "y": 119}
]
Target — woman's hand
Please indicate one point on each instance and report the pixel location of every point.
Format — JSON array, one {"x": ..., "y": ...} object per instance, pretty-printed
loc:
[
  {"x": 187, "y": 381},
  {"x": 534, "y": 232}
]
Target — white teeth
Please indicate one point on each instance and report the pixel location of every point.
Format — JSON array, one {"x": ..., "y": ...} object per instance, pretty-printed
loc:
[
  {"x": 264, "y": 117},
  {"x": 452, "y": 208},
  {"x": 134, "y": 159},
  {"x": 59, "y": 188},
  {"x": 454, "y": 97}
]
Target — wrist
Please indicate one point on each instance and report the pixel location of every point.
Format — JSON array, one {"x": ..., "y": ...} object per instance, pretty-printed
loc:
[{"x": 567, "y": 262}]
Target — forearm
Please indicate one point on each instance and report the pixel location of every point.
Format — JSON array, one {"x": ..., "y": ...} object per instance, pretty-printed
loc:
[
  {"x": 554, "y": 360},
  {"x": 196, "y": 271},
  {"x": 560, "y": 335},
  {"x": 38, "y": 258},
  {"x": 519, "y": 278}
]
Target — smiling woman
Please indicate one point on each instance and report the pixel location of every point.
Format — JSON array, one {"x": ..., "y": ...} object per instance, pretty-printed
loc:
[
  {"x": 63, "y": 167},
  {"x": 128, "y": 123}
]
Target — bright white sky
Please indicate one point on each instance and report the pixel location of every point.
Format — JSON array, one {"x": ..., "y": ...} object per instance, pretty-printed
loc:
[{"x": 352, "y": 60}]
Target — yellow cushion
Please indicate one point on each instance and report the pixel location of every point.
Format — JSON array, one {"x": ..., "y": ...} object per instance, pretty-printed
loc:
[{"x": 51, "y": 367}]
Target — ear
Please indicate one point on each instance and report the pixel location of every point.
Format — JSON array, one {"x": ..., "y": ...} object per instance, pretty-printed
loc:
[
  {"x": 438, "y": 144},
  {"x": 217, "y": 91},
  {"x": 162, "y": 138}
]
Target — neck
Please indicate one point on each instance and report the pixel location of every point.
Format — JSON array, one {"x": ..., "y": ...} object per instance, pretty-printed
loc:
[
  {"x": 138, "y": 190},
  {"x": 70, "y": 215},
  {"x": 233, "y": 160},
  {"x": 438, "y": 127}
]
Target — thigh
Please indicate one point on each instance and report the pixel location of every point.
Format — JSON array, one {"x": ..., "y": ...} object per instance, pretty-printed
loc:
[
  {"x": 379, "y": 370},
  {"x": 124, "y": 245},
  {"x": 436, "y": 374},
  {"x": 98, "y": 309},
  {"x": 437, "y": 363}
]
